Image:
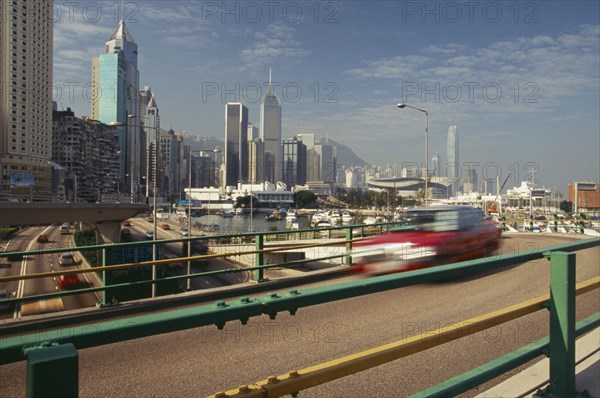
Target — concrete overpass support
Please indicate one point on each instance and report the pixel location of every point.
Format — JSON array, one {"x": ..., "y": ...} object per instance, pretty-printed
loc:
[{"x": 108, "y": 232}]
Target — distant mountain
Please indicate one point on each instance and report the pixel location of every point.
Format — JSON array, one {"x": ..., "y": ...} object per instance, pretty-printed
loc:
[{"x": 345, "y": 155}]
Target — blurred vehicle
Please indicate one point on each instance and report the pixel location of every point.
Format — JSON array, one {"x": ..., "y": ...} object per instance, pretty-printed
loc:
[
  {"x": 68, "y": 281},
  {"x": 126, "y": 231},
  {"x": 150, "y": 219},
  {"x": 429, "y": 236},
  {"x": 166, "y": 227},
  {"x": 150, "y": 234},
  {"x": 67, "y": 259},
  {"x": 4, "y": 296},
  {"x": 64, "y": 229},
  {"x": 184, "y": 231},
  {"x": 127, "y": 223},
  {"x": 42, "y": 238}
]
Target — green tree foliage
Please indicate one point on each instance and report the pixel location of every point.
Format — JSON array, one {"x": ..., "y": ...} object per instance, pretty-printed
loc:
[
  {"x": 87, "y": 238},
  {"x": 305, "y": 199},
  {"x": 566, "y": 206}
]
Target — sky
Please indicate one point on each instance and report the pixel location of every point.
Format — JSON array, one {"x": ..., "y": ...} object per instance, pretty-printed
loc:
[{"x": 521, "y": 80}]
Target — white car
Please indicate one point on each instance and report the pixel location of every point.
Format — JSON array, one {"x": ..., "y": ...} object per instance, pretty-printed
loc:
[
  {"x": 67, "y": 259},
  {"x": 150, "y": 234}
]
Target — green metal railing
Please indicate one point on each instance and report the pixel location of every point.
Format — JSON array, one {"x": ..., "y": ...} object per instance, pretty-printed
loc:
[
  {"x": 261, "y": 242},
  {"x": 43, "y": 356}
]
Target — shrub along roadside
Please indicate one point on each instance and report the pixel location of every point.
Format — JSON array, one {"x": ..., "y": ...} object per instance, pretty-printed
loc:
[{"x": 87, "y": 238}]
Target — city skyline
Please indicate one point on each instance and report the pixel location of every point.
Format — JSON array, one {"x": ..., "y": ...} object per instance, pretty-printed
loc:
[{"x": 522, "y": 83}]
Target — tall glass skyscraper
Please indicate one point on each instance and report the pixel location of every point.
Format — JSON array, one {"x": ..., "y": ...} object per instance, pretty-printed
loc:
[
  {"x": 270, "y": 130},
  {"x": 115, "y": 93},
  {"x": 452, "y": 168},
  {"x": 236, "y": 144}
]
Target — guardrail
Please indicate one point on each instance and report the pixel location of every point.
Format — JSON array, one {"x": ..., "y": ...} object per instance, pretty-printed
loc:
[
  {"x": 262, "y": 246},
  {"x": 52, "y": 365}
]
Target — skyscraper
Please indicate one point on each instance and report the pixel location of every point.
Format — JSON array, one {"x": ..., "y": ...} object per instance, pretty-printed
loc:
[
  {"x": 435, "y": 166},
  {"x": 152, "y": 132},
  {"x": 236, "y": 144},
  {"x": 294, "y": 163},
  {"x": 452, "y": 168},
  {"x": 115, "y": 93},
  {"x": 270, "y": 130},
  {"x": 26, "y": 35}
]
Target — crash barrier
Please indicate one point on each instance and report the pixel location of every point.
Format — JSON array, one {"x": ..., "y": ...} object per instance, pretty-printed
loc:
[
  {"x": 43, "y": 356},
  {"x": 274, "y": 243}
]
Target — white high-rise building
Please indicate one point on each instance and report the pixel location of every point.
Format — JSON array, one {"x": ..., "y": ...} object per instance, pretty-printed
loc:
[
  {"x": 26, "y": 34},
  {"x": 452, "y": 167},
  {"x": 270, "y": 130}
]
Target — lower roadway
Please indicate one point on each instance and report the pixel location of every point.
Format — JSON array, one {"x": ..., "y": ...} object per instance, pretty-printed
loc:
[{"x": 205, "y": 360}]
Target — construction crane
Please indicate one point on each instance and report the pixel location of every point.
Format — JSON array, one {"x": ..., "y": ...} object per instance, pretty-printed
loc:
[{"x": 492, "y": 207}]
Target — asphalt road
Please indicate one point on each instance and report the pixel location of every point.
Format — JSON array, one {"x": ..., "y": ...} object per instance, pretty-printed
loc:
[
  {"x": 26, "y": 240},
  {"x": 205, "y": 360}
]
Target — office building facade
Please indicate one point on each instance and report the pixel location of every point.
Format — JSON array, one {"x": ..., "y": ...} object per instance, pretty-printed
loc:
[
  {"x": 270, "y": 130},
  {"x": 294, "y": 163},
  {"x": 26, "y": 36},
  {"x": 452, "y": 167},
  {"x": 115, "y": 94},
  {"x": 236, "y": 144}
]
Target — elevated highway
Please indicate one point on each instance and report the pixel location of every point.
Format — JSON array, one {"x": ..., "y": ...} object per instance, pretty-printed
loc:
[
  {"x": 105, "y": 217},
  {"x": 205, "y": 360}
]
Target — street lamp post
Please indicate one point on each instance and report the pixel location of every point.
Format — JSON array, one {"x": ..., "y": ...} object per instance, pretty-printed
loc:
[
  {"x": 154, "y": 201},
  {"x": 403, "y": 105}
]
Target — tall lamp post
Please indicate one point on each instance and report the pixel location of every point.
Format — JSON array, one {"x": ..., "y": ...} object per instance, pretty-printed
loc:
[
  {"x": 154, "y": 200},
  {"x": 402, "y": 105}
]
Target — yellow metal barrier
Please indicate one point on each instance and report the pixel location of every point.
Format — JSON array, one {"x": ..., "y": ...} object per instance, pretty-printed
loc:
[{"x": 295, "y": 381}]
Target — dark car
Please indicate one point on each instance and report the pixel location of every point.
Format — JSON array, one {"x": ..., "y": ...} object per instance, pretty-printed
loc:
[
  {"x": 166, "y": 227},
  {"x": 127, "y": 223},
  {"x": 430, "y": 236},
  {"x": 43, "y": 238}
]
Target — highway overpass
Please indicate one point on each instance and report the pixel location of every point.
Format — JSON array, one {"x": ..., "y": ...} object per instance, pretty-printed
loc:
[{"x": 105, "y": 217}]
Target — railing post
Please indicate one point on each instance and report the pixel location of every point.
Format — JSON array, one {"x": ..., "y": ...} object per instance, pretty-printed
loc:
[
  {"x": 105, "y": 278},
  {"x": 260, "y": 257},
  {"x": 348, "y": 258},
  {"x": 562, "y": 324},
  {"x": 52, "y": 371}
]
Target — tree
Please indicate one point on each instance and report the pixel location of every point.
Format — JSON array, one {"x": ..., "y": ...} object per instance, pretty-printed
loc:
[
  {"x": 566, "y": 206},
  {"x": 305, "y": 199}
]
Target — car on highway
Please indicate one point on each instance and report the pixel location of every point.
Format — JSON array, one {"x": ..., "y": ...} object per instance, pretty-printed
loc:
[
  {"x": 127, "y": 223},
  {"x": 150, "y": 234},
  {"x": 184, "y": 232},
  {"x": 68, "y": 281},
  {"x": 43, "y": 238},
  {"x": 64, "y": 229},
  {"x": 126, "y": 231},
  {"x": 428, "y": 236},
  {"x": 67, "y": 259},
  {"x": 166, "y": 227}
]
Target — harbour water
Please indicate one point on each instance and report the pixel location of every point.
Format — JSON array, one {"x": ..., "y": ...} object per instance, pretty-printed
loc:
[{"x": 241, "y": 224}]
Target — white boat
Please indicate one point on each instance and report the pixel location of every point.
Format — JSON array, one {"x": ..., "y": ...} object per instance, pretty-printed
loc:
[
  {"x": 291, "y": 217},
  {"x": 347, "y": 218}
]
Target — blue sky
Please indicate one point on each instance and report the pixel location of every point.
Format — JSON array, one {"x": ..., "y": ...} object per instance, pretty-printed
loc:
[{"x": 521, "y": 80}]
